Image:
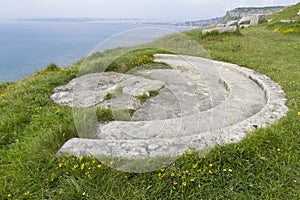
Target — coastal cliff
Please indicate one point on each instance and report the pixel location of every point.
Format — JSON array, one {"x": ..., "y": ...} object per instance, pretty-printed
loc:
[
  {"x": 239, "y": 13},
  {"x": 235, "y": 14}
]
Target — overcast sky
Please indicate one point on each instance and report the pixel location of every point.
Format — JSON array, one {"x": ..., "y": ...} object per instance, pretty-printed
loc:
[{"x": 179, "y": 10}]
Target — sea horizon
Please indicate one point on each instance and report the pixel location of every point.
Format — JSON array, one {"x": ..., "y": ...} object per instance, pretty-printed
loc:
[{"x": 29, "y": 45}]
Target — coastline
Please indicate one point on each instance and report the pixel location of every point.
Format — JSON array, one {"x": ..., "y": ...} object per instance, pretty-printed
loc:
[{"x": 42, "y": 44}]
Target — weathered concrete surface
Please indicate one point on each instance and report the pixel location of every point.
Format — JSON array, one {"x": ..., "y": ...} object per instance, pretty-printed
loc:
[
  {"x": 91, "y": 90},
  {"x": 257, "y": 19},
  {"x": 245, "y": 21},
  {"x": 221, "y": 107},
  {"x": 220, "y": 29},
  {"x": 287, "y": 21},
  {"x": 185, "y": 93},
  {"x": 232, "y": 23},
  {"x": 252, "y": 20},
  {"x": 232, "y": 26}
]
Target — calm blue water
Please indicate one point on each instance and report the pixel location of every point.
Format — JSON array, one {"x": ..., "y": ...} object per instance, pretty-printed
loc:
[{"x": 26, "y": 47}]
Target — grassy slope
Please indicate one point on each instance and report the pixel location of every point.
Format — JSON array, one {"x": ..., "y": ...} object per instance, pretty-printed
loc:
[{"x": 266, "y": 165}]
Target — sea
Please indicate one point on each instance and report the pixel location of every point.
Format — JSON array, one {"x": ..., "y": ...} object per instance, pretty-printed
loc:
[{"x": 28, "y": 46}]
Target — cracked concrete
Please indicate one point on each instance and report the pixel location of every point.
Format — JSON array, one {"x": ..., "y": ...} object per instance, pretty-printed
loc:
[{"x": 201, "y": 103}]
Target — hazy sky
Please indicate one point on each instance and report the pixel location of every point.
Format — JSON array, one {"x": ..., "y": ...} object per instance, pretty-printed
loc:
[{"x": 155, "y": 9}]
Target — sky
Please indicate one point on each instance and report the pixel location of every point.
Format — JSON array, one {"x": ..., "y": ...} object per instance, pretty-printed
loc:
[{"x": 179, "y": 10}]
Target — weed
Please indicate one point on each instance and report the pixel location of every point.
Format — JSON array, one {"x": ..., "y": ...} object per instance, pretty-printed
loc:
[
  {"x": 144, "y": 97},
  {"x": 108, "y": 96}
]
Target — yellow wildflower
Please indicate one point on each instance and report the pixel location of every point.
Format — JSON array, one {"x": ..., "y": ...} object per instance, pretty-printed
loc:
[
  {"x": 85, "y": 194},
  {"x": 277, "y": 30},
  {"x": 289, "y": 30},
  {"x": 82, "y": 166},
  {"x": 88, "y": 174},
  {"x": 75, "y": 167},
  {"x": 161, "y": 176},
  {"x": 184, "y": 184}
]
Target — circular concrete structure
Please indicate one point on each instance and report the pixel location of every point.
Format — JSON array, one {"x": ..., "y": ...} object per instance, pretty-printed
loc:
[{"x": 201, "y": 103}]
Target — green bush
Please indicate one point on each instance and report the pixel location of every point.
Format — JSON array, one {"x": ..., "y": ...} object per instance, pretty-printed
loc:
[{"x": 52, "y": 67}]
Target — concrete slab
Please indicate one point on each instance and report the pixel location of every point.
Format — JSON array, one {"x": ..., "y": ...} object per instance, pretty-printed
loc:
[{"x": 203, "y": 103}]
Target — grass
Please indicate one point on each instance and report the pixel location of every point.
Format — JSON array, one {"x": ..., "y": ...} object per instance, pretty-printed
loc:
[
  {"x": 119, "y": 60},
  {"x": 109, "y": 96},
  {"x": 286, "y": 28},
  {"x": 133, "y": 59},
  {"x": 108, "y": 115},
  {"x": 144, "y": 97},
  {"x": 290, "y": 13},
  {"x": 265, "y": 165}
]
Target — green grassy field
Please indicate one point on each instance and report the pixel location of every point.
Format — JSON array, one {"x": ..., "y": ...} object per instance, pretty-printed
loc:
[{"x": 265, "y": 165}]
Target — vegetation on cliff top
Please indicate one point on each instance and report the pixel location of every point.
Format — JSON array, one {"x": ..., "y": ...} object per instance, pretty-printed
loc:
[{"x": 265, "y": 165}]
